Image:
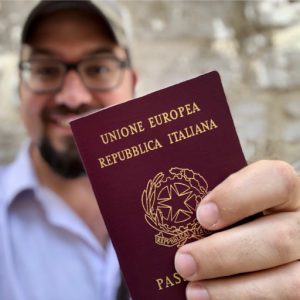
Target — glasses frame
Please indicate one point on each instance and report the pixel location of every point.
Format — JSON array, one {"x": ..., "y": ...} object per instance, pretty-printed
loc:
[{"x": 122, "y": 65}]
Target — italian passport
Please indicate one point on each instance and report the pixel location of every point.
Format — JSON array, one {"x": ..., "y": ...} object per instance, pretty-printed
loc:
[{"x": 151, "y": 161}]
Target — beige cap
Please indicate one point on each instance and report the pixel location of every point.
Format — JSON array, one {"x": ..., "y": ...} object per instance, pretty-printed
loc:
[{"x": 114, "y": 17}]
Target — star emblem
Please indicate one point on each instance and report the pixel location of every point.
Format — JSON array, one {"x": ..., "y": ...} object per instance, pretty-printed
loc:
[{"x": 177, "y": 202}]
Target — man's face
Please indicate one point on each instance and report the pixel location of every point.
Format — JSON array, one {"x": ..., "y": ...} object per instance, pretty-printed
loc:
[{"x": 68, "y": 37}]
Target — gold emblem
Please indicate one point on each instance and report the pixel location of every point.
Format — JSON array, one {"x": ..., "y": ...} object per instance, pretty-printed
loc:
[{"x": 170, "y": 204}]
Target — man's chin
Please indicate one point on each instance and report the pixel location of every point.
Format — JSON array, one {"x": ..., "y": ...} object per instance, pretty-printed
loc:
[{"x": 65, "y": 163}]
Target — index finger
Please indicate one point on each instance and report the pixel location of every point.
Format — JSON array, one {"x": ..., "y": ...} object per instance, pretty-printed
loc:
[{"x": 264, "y": 186}]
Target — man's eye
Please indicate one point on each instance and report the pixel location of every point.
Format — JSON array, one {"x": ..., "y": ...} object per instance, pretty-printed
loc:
[
  {"x": 97, "y": 70},
  {"x": 46, "y": 71}
]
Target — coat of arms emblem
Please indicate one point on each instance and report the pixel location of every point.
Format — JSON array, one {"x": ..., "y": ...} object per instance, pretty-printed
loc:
[{"x": 170, "y": 202}]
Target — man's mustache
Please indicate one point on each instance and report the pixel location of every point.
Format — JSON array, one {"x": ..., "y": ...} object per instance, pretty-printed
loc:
[{"x": 65, "y": 110}]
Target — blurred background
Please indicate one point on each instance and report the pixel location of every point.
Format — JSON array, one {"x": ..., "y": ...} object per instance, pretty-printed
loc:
[{"x": 255, "y": 46}]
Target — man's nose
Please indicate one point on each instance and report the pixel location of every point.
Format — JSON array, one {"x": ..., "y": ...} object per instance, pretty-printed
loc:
[{"x": 73, "y": 92}]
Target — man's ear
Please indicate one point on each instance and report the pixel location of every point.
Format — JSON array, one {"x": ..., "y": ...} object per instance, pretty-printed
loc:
[
  {"x": 24, "y": 54},
  {"x": 19, "y": 85},
  {"x": 135, "y": 78}
]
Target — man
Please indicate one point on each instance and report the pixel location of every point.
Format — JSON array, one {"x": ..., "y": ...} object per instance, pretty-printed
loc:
[{"x": 53, "y": 243}]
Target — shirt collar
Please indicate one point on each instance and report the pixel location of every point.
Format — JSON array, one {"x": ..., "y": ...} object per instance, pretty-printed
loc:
[{"x": 19, "y": 175}]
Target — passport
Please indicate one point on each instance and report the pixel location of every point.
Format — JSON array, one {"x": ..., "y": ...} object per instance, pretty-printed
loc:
[{"x": 150, "y": 161}]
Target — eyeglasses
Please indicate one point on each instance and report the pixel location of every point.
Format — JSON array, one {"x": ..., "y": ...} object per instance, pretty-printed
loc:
[{"x": 98, "y": 73}]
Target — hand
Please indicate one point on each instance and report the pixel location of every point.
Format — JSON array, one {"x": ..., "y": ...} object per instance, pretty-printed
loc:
[{"x": 256, "y": 260}]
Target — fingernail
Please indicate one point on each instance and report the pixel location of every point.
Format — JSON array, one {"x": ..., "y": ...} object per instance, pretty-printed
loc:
[
  {"x": 185, "y": 264},
  {"x": 196, "y": 292},
  {"x": 208, "y": 214}
]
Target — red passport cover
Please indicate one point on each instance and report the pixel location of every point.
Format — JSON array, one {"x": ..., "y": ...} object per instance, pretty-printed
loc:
[{"x": 150, "y": 162}]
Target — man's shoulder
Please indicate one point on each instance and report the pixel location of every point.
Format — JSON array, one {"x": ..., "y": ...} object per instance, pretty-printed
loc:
[
  {"x": 9, "y": 177},
  {"x": 13, "y": 170},
  {"x": 18, "y": 175},
  {"x": 3, "y": 170},
  {"x": 3, "y": 174}
]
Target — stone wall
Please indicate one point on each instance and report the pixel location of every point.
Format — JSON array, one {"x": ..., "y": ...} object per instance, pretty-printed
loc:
[{"x": 255, "y": 45}]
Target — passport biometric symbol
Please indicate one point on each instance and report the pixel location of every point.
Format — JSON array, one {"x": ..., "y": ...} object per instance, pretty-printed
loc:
[{"x": 170, "y": 204}]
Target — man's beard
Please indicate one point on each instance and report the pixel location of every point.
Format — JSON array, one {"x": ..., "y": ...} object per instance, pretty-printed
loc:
[{"x": 66, "y": 164}]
